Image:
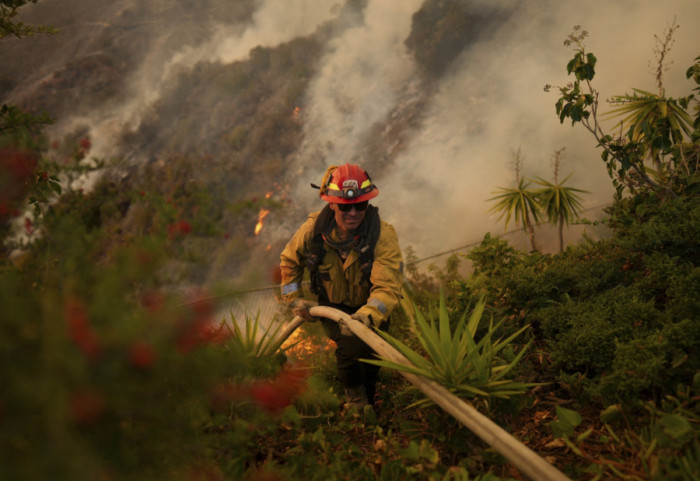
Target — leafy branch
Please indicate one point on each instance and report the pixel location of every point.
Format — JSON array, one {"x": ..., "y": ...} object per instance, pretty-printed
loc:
[
  {"x": 657, "y": 125},
  {"x": 8, "y": 10}
]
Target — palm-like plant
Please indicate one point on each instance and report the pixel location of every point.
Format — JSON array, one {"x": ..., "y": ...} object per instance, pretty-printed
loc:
[
  {"x": 456, "y": 360},
  {"x": 561, "y": 204},
  {"x": 255, "y": 340},
  {"x": 655, "y": 121},
  {"x": 656, "y": 125},
  {"x": 521, "y": 204}
]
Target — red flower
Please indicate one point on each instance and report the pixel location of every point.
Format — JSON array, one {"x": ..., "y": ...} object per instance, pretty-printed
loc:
[
  {"x": 152, "y": 301},
  {"x": 193, "y": 335},
  {"x": 86, "y": 405},
  {"x": 179, "y": 228},
  {"x": 141, "y": 355},
  {"x": 273, "y": 396},
  {"x": 28, "y": 225},
  {"x": 268, "y": 397},
  {"x": 200, "y": 332},
  {"x": 85, "y": 144},
  {"x": 215, "y": 334},
  {"x": 188, "y": 339},
  {"x": 18, "y": 163},
  {"x": 16, "y": 167},
  {"x": 199, "y": 326},
  {"x": 79, "y": 329}
]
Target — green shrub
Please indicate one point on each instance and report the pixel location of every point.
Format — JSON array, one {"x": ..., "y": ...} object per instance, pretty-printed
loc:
[{"x": 598, "y": 309}]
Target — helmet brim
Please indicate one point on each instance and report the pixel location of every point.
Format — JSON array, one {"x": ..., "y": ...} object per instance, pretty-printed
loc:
[{"x": 333, "y": 199}]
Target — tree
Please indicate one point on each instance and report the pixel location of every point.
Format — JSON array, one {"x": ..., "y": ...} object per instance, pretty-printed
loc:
[
  {"x": 519, "y": 202},
  {"x": 23, "y": 170},
  {"x": 659, "y": 126},
  {"x": 8, "y": 10},
  {"x": 654, "y": 120},
  {"x": 559, "y": 203},
  {"x": 13, "y": 120}
]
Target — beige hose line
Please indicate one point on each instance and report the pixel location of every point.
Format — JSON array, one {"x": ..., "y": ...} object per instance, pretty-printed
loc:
[
  {"x": 516, "y": 452},
  {"x": 288, "y": 330}
]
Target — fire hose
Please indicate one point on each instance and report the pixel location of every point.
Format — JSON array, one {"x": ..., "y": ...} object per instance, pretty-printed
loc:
[{"x": 522, "y": 457}]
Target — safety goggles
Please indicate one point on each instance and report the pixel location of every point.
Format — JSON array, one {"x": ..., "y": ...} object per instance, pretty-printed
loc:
[{"x": 359, "y": 206}]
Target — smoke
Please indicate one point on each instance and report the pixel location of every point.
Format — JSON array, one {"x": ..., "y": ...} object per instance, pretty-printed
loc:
[
  {"x": 358, "y": 83},
  {"x": 273, "y": 22},
  {"x": 490, "y": 105}
]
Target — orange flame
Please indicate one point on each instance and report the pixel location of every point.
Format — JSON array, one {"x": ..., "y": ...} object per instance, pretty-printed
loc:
[
  {"x": 295, "y": 115},
  {"x": 300, "y": 347},
  {"x": 261, "y": 216}
]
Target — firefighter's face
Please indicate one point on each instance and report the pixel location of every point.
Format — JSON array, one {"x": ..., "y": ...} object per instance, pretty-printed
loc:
[{"x": 348, "y": 221}]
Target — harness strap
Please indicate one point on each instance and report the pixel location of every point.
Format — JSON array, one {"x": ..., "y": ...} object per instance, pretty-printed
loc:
[
  {"x": 372, "y": 226},
  {"x": 363, "y": 242}
]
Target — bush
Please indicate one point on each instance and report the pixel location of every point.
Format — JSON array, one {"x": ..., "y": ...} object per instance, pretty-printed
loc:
[{"x": 606, "y": 312}]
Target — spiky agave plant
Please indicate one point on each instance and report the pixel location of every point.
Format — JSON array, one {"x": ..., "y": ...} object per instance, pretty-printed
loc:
[
  {"x": 255, "y": 340},
  {"x": 456, "y": 360}
]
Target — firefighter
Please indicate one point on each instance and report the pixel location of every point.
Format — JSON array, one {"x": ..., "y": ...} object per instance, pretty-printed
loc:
[{"x": 355, "y": 265}]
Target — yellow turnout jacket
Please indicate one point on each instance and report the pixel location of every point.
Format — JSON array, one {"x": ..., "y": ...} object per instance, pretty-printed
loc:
[{"x": 342, "y": 279}]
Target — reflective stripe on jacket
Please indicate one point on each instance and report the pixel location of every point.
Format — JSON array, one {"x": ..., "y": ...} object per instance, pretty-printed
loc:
[{"x": 342, "y": 279}]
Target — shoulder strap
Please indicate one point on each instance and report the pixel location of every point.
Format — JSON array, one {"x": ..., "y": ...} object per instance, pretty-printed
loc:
[
  {"x": 369, "y": 240},
  {"x": 323, "y": 222}
]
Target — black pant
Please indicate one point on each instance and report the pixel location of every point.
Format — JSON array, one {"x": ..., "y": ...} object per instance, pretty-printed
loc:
[{"x": 350, "y": 349}]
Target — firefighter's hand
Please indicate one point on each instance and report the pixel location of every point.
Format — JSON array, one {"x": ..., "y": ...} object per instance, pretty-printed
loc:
[
  {"x": 358, "y": 316},
  {"x": 300, "y": 307}
]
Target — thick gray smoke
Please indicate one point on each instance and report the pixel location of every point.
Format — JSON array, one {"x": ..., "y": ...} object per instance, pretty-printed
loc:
[
  {"x": 359, "y": 83},
  {"x": 274, "y": 22},
  {"x": 490, "y": 105}
]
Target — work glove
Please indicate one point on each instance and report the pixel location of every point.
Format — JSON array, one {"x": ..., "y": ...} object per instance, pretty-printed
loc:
[
  {"x": 365, "y": 319},
  {"x": 300, "y": 307}
]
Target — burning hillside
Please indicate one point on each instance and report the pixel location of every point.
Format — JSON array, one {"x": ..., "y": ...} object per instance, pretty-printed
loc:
[{"x": 257, "y": 94}]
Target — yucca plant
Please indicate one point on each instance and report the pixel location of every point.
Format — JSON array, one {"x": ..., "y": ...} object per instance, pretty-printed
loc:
[
  {"x": 656, "y": 121},
  {"x": 521, "y": 203},
  {"x": 456, "y": 360},
  {"x": 560, "y": 203},
  {"x": 255, "y": 340}
]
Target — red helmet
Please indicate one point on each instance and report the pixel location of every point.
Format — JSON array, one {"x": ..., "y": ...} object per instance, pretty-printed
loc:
[{"x": 347, "y": 184}]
